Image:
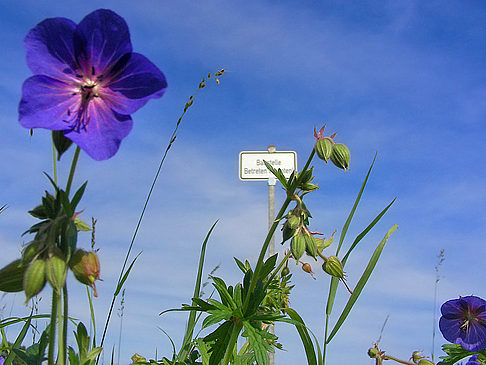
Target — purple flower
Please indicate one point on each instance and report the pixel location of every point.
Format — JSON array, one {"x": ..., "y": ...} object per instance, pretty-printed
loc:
[
  {"x": 463, "y": 322},
  {"x": 87, "y": 81},
  {"x": 473, "y": 360}
]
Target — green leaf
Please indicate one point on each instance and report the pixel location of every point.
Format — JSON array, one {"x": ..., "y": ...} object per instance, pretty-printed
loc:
[
  {"x": 12, "y": 277},
  {"x": 268, "y": 266},
  {"x": 72, "y": 356},
  {"x": 278, "y": 174},
  {"x": 218, "y": 341},
  {"x": 258, "y": 344},
  {"x": 455, "y": 353},
  {"x": 94, "y": 353},
  {"x": 241, "y": 265},
  {"x": 216, "y": 317},
  {"x": 77, "y": 196},
  {"x": 361, "y": 283},
  {"x": 82, "y": 226},
  {"x": 65, "y": 203},
  {"x": 125, "y": 276},
  {"x": 61, "y": 143},
  {"x": 256, "y": 298},
  {"x": 226, "y": 297},
  {"x": 82, "y": 339},
  {"x": 304, "y": 336},
  {"x": 365, "y": 231},
  {"x": 18, "y": 341}
]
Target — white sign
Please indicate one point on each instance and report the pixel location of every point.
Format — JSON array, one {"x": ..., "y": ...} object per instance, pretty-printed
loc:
[{"x": 252, "y": 166}]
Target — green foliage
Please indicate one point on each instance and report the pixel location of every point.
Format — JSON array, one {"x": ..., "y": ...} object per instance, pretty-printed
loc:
[{"x": 455, "y": 353}]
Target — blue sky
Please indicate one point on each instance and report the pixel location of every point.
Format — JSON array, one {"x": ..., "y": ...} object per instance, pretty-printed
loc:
[{"x": 403, "y": 78}]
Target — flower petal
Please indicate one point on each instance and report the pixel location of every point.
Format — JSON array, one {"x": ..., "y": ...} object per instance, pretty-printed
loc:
[
  {"x": 101, "y": 39},
  {"x": 47, "y": 103},
  {"x": 101, "y": 136},
  {"x": 139, "y": 81},
  {"x": 50, "y": 49}
]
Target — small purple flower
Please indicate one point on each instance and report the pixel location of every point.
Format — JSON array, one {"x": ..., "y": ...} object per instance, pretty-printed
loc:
[
  {"x": 87, "y": 81},
  {"x": 463, "y": 322}
]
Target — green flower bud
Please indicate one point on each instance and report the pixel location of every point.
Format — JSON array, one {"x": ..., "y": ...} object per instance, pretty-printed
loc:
[
  {"x": 310, "y": 245},
  {"x": 416, "y": 356},
  {"x": 373, "y": 352},
  {"x": 324, "y": 148},
  {"x": 30, "y": 251},
  {"x": 56, "y": 271},
  {"x": 425, "y": 362},
  {"x": 285, "y": 271},
  {"x": 333, "y": 267},
  {"x": 309, "y": 186},
  {"x": 293, "y": 221},
  {"x": 85, "y": 267},
  {"x": 34, "y": 278},
  {"x": 297, "y": 245},
  {"x": 341, "y": 156},
  {"x": 287, "y": 232}
]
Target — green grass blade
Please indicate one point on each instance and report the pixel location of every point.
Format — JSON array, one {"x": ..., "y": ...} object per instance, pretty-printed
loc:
[
  {"x": 18, "y": 341},
  {"x": 334, "y": 281},
  {"x": 125, "y": 275},
  {"x": 304, "y": 336},
  {"x": 366, "y": 230},
  {"x": 353, "y": 210},
  {"x": 191, "y": 321},
  {"x": 361, "y": 283}
]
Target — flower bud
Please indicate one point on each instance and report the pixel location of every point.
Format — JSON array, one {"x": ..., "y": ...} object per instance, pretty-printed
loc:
[
  {"x": 416, "y": 356},
  {"x": 56, "y": 271},
  {"x": 293, "y": 221},
  {"x": 310, "y": 245},
  {"x": 324, "y": 148},
  {"x": 373, "y": 352},
  {"x": 285, "y": 271},
  {"x": 297, "y": 245},
  {"x": 34, "y": 278},
  {"x": 307, "y": 268},
  {"x": 86, "y": 267},
  {"x": 333, "y": 267},
  {"x": 30, "y": 251},
  {"x": 341, "y": 156},
  {"x": 425, "y": 362}
]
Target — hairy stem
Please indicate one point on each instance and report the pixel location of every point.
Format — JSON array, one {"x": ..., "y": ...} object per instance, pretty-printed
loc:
[{"x": 52, "y": 328}]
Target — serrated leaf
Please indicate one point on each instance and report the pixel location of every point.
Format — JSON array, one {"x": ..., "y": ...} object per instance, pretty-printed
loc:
[
  {"x": 257, "y": 342},
  {"x": 268, "y": 266},
  {"x": 455, "y": 352},
  {"x": 218, "y": 341},
  {"x": 225, "y": 295},
  {"x": 217, "y": 317}
]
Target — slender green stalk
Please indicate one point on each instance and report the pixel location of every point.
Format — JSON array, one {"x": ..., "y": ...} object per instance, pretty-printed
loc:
[
  {"x": 261, "y": 258},
  {"x": 388, "y": 357},
  {"x": 73, "y": 169},
  {"x": 60, "y": 331},
  {"x": 232, "y": 343},
  {"x": 52, "y": 328},
  {"x": 54, "y": 162},
  {"x": 263, "y": 252},
  {"x": 63, "y": 334}
]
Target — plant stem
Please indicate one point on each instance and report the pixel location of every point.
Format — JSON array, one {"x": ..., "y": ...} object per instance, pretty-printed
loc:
[
  {"x": 63, "y": 334},
  {"x": 261, "y": 258},
  {"x": 232, "y": 342},
  {"x": 388, "y": 357},
  {"x": 52, "y": 328},
  {"x": 276, "y": 222},
  {"x": 73, "y": 169},
  {"x": 54, "y": 162}
]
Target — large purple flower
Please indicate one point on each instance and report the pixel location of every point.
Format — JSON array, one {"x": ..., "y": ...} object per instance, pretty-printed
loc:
[
  {"x": 463, "y": 322},
  {"x": 87, "y": 81}
]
